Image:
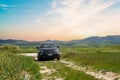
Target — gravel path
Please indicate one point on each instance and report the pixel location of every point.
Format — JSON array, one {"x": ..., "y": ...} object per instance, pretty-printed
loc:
[
  {"x": 99, "y": 75},
  {"x": 29, "y": 54}
]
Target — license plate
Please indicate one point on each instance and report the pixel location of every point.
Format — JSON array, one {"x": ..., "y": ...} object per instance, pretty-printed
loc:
[{"x": 50, "y": 54}]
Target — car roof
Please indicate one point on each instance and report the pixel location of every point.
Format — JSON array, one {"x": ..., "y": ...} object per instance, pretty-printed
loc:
[{"x": 47, "y": 43}]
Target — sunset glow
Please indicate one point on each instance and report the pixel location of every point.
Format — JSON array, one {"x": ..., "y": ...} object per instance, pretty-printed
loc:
[{"x": 36, "y": 20}]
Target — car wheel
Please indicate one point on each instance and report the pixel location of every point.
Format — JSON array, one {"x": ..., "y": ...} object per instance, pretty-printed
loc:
[
  {"x": 58, "y": 58},
  {"x": 38, "y": 58}
]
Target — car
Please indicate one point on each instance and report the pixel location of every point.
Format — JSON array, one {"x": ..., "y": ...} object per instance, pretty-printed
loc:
[{"x": 48, "y": 50}]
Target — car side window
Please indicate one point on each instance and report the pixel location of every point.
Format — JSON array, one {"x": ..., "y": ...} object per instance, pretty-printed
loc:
[{"x": 41, "y": 46}]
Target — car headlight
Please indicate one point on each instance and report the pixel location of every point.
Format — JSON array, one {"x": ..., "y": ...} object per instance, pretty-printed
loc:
[
  {"x": 57, "y": 51},
  {"x": 41, "y": 52}
]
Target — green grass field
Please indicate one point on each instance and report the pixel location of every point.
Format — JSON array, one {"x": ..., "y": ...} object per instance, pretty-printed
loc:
[
  {"x": 15, "y": 67},
  {"x": 105, "y": 59}
]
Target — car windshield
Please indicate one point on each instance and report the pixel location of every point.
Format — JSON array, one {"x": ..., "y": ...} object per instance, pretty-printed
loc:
[{"x": 47, "y": 45}]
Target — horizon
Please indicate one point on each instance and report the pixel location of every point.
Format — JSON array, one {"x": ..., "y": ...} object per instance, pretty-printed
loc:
[
  {"x": 64, "y": 20},
  {"x": 58, "y": 40}
]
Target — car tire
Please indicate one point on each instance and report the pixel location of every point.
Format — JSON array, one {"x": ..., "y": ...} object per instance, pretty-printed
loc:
[
  {"x": 58, "y": 58},
  {"x": 39, "y": 59}
]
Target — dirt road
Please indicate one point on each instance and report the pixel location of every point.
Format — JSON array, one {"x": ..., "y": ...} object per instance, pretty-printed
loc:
[{"x": 97, "y": 74}]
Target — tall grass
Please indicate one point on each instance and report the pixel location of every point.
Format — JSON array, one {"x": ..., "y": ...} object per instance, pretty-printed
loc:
[
  {"x": 9, "y": 47},
  {"x": 16, "y": 67},
  {"x": 17, "y": 49}
]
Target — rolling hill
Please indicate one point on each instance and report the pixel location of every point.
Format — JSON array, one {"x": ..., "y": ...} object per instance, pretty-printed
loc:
[{"x": 90, "y": 41}]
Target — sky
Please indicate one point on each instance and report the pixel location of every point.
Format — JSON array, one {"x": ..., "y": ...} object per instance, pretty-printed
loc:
[{"x": 37, "y": 20}]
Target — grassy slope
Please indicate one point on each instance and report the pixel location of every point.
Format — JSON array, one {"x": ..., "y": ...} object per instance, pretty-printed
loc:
[
  {"x": 17, "y": 49},
  {"x": 105, "y": 59},
  {"x": 15, "y": 67}
]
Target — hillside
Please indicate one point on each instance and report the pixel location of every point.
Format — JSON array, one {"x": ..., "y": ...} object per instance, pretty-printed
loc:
[
  {"x": 90, "y": 41},
  {"x": 13, "y": 41},
  {"x": 93, "y": 41}
]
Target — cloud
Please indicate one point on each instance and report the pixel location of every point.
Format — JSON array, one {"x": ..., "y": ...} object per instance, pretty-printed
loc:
[
  {"x": 3, "y": 5},
  {"x": 54, "y": 4},
  {"x": 38, "y": 21},
  {"x": 74, "y": 10},
  {"x": 76, "y": 18}
]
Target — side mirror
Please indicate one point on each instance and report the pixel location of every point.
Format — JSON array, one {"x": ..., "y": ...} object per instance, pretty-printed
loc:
[
  {"x": 58, "y": 47},
  {"x": 37, "y": 47}
]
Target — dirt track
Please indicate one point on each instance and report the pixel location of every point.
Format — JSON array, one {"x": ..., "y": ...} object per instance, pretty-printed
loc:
[{"x": 99, "y": 75}]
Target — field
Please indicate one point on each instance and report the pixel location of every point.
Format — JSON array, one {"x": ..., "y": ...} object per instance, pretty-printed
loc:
[
  {"x": 96, "y": 59},
  {"x": 105, "y": 59}
]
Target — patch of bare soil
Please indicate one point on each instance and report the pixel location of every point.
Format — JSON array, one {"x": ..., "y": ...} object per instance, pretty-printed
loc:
[
  {"x": 25, "y": 75},
  {"x": 47, "y": 72},
  {"x": 97, "y": 74},
  {"x": 29, "y": 54}
]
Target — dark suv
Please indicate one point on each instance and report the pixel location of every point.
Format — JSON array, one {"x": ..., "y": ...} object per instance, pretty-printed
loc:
[{"x": 48, "y": 50}]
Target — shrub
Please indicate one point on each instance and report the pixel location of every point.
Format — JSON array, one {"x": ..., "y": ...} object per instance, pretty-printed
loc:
[{"x": 9, "y": 47}]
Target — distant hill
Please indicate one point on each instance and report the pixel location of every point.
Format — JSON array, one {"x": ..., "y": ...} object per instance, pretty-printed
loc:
[
  {"x": 94, "y": 41},
  {"x": 12, "y": 41},
  {"x": 90, "y": 41}
]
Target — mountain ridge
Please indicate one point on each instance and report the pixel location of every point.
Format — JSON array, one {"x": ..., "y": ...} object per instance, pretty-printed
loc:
[{"x": 92, "y": 41}]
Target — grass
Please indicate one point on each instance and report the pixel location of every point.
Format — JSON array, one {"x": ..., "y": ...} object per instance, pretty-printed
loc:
[
  {"x": 16, "y": 67},
  {"x": 97, "y": 58},
  {"x": 64, "y": 72},
  {"x": 28, "y": 46},
  {"x": 12, "y": 66},
  {"x": 17, "y": 49}
]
